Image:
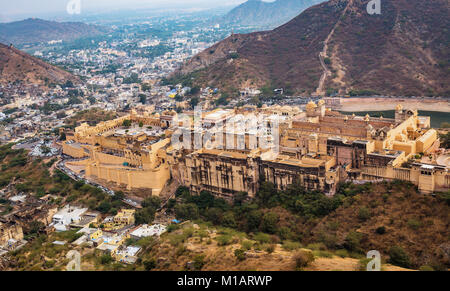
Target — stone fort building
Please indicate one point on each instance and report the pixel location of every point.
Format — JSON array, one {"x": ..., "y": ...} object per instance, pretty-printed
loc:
[{"x": 316, "y": 148}]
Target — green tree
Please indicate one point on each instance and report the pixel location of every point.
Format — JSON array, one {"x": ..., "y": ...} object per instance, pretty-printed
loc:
[
  {"x": 194, "y": 102},
  {"x": 143, "y": 98},
  {"x": 126, "y": 123},
  {"x": 228, "y": 220},
  {"x": 144, "y": 215},
  {"x": 398, "y": 257},
  {"x": 186, "y": 211},
  {"x": 269, "y": 222},
  {"x": 153, "y": 202}
]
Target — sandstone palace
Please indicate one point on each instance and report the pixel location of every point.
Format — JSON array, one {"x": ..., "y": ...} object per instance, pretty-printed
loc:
[{"x": 317, "y": 148}]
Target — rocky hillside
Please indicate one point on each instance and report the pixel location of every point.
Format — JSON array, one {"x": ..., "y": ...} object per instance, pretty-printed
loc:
[
  {"x": 338, "y": 46},
  {"x": 21, "y": 68},
  {"x": 271, "y": 14},
  {"x": 35, "y": 30}
]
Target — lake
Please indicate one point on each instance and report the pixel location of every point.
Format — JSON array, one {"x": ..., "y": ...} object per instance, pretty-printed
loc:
[{"x": 437, "y": 118}]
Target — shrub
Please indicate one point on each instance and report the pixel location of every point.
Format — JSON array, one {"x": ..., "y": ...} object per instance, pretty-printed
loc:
[
  {"x": 303, "y": 258},
  {"x": 414, "y": 224},
  {"x": 106, "y": 259},
  {"x": 342, "y": 253},
  {"x": 426, "y": 268},
  {"x": 291, "y": 245},
  {"x": 173, "y": 227},
  {"x": 240, "y": 254},
  {"x": 199, "y": 262},
  {"x": 246, "y": 245},
  {"x": 150, "y": 264},
  {"x": 269, "y": 222},
  {"x": 223, "y": 240},
  {"x": 364, "y": 214},
  {"x": 270, "y": 249},
  {"x": 353, "y": 241},
  {"x": 398, "y": 257},
  {"x": 316, "y": 247},
  {"x": 262, "y": 237},
  {"x": 363, "y": 263},
  {"x": 323, "y": 254},
  {"x": 381, "y": 230},
  {"x": 228, "y": 220}
]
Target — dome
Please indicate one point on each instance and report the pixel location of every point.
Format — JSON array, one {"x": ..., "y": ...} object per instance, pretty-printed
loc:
[
  {"x": 264, "y": 106},
  {"x": 399, "y": 107},
  {"x": 311, "y": 105},
  {"x": 157, "y": 115}
]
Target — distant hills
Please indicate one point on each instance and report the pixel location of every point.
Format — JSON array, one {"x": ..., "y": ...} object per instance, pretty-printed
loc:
[
  {"x": 271, "y": 14},
  {"x": 21, "y": 68},
  {"x": 402, "y": 51},
  {"x": 35, "y": 30}
]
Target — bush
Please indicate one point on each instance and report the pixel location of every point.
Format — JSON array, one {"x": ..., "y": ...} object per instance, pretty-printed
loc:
[
  {"x": 398, "y": 257},
  {"x": 270, "y": 249},
  {"x": 364, "y": 214},
  {"x": 381, "y": 230},
  {"x": 186, "y": 211},
  {"x": 303, "y": 258},
  {"x": 150, "y": 264},
  {"x": 426, "y": 268},
  {"x": 353, "y": 241},
  {"x": 199, "y": 262},
  {"x": 224, "y": 240},
  {"x": 240, "y": 254},
  {"x": 262, "y": 237},
  {"x": 269, "y": 222},
  {"x": 414, "y": 224},
  {"x": 106, "y": 259},
  {"x": 291, "y": 245},
  {"x": 246, "y": 245},
  {"x": 342, "y": 253}
]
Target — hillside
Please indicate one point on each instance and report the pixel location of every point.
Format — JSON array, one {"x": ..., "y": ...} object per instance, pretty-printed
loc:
[
  {"x": 34, "y": 30},
  {"x": 192, "y": 247},
  {"x": 21, "y": 68},
  {"x": 403, "y": 51},
  {"x": 271, "y": 14},
  {"x": 409, "y": 229}
]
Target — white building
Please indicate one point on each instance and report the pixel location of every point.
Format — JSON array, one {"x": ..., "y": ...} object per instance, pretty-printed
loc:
[
  {"x": 146, "y": 230},
  {"x": 69, "y": 214}
]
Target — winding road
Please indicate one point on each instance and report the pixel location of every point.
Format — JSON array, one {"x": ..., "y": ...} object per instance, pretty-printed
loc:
[{"x": 323, "y": 54}]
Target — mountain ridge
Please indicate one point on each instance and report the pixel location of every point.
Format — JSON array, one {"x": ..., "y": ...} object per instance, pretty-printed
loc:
[
  {"x": 33, "y": 30},
  {"x": 271, "y": 14},
  {"x": 403, "y": 51},
  {"x": 19, "y": 67}
]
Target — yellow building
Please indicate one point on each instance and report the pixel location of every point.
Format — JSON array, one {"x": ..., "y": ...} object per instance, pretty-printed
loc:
[{"x": 125, "y": 217}]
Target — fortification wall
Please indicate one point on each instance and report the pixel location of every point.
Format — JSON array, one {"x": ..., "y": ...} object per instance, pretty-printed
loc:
[{"x": 132, "y": 179}]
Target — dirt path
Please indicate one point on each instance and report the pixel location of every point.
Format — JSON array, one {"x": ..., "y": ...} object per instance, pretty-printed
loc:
[{"x": 323, "y": 53}]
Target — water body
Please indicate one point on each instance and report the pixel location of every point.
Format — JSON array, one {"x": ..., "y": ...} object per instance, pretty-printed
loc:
[{"x": 437, "y": 118}]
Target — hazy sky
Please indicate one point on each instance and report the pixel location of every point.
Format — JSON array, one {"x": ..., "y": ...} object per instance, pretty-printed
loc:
[{"x": 18, "y": 9}]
